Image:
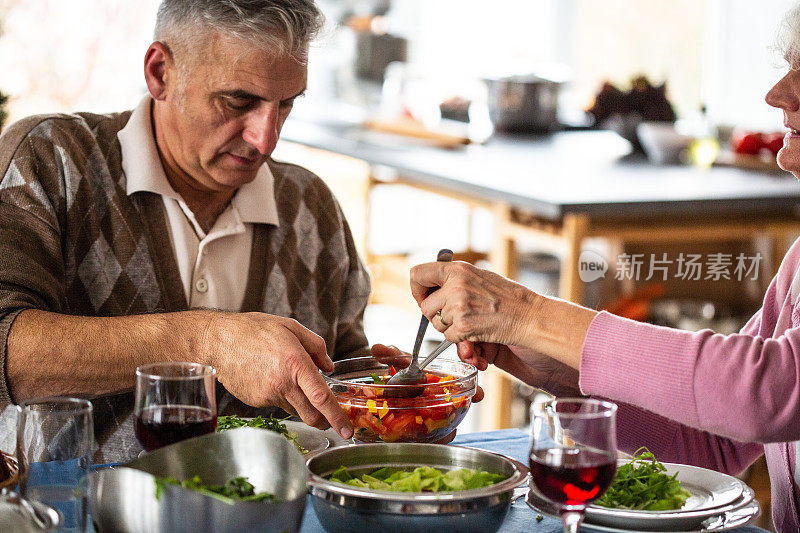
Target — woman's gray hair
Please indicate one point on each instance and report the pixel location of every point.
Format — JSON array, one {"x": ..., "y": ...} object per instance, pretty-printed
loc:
[
  {"x": 788, "y": 40},
  {"x": 280, "y": 26}
]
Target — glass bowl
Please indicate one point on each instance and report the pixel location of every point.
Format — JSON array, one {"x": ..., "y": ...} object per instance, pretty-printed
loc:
[{"x": 428, "y": 417}]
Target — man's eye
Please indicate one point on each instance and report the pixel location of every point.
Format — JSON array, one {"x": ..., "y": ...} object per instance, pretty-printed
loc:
[{"x": 238, "y": 104}]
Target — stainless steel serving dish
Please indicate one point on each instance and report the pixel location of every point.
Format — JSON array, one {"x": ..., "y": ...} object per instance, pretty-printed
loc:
[
  {"x": 123, "y": 499},
  {"x": 342, "y": 508}
]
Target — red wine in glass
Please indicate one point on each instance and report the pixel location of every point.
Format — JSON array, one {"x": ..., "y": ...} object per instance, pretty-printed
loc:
[
  {"x": 572, "y": 476},
  {"x": 166, "y": 424}
]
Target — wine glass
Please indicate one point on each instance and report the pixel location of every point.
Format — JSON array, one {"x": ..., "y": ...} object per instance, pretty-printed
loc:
[
  {"x": 573, "y": 453},
  {"x": 174, "y": 401}
]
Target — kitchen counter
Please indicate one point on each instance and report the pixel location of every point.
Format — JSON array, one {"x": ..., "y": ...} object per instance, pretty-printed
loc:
[{"x": 555, "y": 191}]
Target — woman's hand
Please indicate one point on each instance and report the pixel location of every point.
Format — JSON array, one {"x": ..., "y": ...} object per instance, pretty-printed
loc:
[
  {"x": 473, "y": 304},
  {"x": 469, "y": 304},
  {"x": 528, "y": 366}
]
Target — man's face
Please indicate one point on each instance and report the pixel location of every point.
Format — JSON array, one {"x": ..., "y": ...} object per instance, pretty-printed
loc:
[{"x": 221, "y": 118}]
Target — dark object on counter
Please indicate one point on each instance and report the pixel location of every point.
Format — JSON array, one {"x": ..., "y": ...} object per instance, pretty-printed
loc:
[
  {"x": 374, "y": 51},
  {"x": 455, "y": 108},
  {"x": 523, "y": 103},
  {"x": 622, "y": 111}
]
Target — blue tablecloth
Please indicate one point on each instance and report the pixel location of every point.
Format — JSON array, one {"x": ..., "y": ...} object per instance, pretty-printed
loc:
[
  {"x": 514, "y": 444},
  {"x": 510, "y": 442}
]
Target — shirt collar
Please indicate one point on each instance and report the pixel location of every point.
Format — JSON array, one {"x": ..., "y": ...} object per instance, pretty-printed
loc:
[{"x": 141, "y": 163}]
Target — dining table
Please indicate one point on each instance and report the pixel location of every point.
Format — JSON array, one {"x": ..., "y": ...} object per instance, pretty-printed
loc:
[
  {"x": 521, "y": 518},
  {"x": 513, "y": 443}
]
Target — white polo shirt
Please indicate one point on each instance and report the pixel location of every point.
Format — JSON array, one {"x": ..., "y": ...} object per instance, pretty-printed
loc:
[{"x": 214, "y": 265}]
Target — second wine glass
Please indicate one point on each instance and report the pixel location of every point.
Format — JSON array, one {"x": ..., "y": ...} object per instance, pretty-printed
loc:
[
  {"x": 174, "y": 401},
  {"x": 573, "y": 455}
]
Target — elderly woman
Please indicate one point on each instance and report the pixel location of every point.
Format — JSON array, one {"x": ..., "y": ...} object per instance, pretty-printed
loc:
[{"x": 717, "y": 401}]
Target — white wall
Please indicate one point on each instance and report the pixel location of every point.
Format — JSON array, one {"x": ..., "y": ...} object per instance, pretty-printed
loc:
[{"x": 739, "y": 66}]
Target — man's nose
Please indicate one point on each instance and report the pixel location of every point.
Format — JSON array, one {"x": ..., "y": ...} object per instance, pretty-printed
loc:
[{"x": 261, "y": 130}]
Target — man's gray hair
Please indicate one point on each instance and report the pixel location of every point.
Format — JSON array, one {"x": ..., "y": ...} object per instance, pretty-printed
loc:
[
  {"x": 788, "y": 41},
  {"x": 280, "y": 26}
]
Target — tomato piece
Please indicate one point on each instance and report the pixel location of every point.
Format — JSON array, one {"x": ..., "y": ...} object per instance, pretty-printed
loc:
[
  {"x": 774, "y": 142},
  {"x": 392, "y": 371},
  {"x": 400, "y": 422},
  {"x": 747, "y": 142},
  {"x": 431, "y": 378},
  {"x": 437, "y": 413}
]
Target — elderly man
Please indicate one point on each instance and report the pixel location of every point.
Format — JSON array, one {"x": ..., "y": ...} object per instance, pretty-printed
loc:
[{"x": 168, "y": 233}]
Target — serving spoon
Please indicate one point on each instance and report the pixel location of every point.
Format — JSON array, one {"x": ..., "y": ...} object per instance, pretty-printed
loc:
[{"x": 413, "y": 375}]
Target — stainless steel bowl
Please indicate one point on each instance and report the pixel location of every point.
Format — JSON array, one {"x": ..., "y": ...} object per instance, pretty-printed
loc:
[
  {"x": 342, "y": 508},
  {"x": 123, "y": 498}
]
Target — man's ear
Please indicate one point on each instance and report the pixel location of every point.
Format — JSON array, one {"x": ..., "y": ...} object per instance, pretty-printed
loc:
[{"x": 158, "y": 69}]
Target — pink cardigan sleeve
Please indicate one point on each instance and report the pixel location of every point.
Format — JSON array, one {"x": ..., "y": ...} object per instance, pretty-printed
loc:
[
  {"x": 673, "y": 439},
  {"x": 697, "y": 397},
  {"x": 740, "y": 386}
]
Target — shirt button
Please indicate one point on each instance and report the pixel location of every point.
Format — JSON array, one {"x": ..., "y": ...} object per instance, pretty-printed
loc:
[{"x": 201, "y": 285}]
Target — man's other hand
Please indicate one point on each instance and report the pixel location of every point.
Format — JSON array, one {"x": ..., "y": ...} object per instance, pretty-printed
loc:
[{"x": 267, "y": 360}]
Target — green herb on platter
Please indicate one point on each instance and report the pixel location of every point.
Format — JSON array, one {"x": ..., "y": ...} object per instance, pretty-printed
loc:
[
  {"x": 377, "y": 380},
  {"x": 236, "y": 489},
  {"x": 642, "y": 484},
  {"x": 421, "y": 479},
  {"x": 225, "y": 423}
]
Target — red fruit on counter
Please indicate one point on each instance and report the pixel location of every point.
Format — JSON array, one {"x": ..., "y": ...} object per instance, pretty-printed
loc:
[
  {"x": 748, "y": 143},
  {"x": 774, "y": 142}
]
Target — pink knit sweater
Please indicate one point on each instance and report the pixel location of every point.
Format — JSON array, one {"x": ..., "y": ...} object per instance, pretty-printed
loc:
[{"x": 717, "y": 401}]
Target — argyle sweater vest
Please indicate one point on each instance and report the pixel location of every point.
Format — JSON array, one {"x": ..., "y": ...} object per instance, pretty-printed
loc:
[{"x": 73, "y": 242}]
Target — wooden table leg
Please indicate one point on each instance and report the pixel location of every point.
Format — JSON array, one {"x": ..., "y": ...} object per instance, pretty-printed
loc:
[
  {"x": 575, "y": 228},
  {"x": 497, "y": 384},
  {"x": 503, "y": 254}
]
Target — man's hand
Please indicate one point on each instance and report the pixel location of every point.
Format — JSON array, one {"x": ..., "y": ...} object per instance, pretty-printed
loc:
[{"x": 266, "y": 360}]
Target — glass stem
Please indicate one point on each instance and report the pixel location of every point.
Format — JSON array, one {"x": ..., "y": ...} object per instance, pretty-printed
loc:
[{"x": 571, "y": 521}]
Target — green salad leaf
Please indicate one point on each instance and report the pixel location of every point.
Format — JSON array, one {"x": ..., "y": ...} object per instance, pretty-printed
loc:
[
  {"x": 271, "y": 423},
  {"x": 235, "y": 489},
  {"x": 642, "y": 484},
  {"x": 421, "y": 479}
]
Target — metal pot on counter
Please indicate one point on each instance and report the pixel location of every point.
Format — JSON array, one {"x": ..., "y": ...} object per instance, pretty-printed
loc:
[{"x": 523, "y": 103}]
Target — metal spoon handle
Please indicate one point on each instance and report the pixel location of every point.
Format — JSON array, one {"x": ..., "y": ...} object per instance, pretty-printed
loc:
[
  {"x": 445, "y": 256},
  {"x": 423, "y": 325},
  {"x": 435, "y": 353}
]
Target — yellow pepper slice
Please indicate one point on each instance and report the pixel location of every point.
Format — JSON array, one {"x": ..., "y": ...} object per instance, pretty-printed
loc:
[
  {"x": 384, "y": 410},
  {"x": 419, "y": 419},
  {"x": 371, "y": 406}
]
